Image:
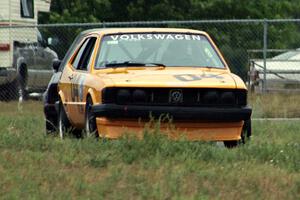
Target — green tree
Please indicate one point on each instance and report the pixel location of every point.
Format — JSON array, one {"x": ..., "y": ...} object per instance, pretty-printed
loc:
[
  {"x": 63, "y": 11},
  {"x": 233, "y": 39}
]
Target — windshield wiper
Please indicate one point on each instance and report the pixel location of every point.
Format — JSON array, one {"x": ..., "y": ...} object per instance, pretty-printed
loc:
[{"x": 132, "y": 64}]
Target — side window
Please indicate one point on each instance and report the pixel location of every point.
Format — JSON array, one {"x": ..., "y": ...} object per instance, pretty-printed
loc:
[
  {"x": 79, "y": 53},
  {"x": 27, "y": 8},
  {"x": 83, "y": 56}
]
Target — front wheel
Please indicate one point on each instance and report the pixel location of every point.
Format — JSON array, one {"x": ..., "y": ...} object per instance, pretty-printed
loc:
[
  {"x": 245, "y": 136},
  {"x": 90, "y": 120},
  {"x": 63, "y": 123},
  {"x": 51, "y": 125}
]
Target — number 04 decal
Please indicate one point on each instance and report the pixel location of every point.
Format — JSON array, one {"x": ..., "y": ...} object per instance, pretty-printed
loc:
[{"x": 196, "y": 77}]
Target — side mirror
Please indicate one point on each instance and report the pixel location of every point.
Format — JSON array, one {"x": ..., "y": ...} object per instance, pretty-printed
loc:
[{"x": 56, "y": 65}]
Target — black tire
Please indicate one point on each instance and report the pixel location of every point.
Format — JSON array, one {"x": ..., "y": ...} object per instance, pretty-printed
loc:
[
  {"x": 248, "y": 128},
  {"x": 51, "y": 125},
  {"x": 245, "y": 136},
  {"x": 22, "y": 83},
  {"x": 90, "y": 120},
  {"x": 64, "y": 126},
  {"x": 231, "y": 144}
]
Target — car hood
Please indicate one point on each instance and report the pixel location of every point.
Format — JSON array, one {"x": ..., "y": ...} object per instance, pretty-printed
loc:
[{"x": 163, "y": 77}]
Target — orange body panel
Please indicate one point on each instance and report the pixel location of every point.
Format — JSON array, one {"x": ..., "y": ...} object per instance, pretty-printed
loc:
[{"x": 207, "y": 131}]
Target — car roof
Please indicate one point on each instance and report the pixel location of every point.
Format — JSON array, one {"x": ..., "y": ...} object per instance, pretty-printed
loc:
[{"x": 105, "y": 31}]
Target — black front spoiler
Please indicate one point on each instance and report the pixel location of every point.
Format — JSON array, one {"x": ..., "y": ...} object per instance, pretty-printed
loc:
[{"x": 181, "y": 113}]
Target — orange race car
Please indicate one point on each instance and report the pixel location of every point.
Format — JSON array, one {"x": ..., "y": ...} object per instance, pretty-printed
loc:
[{"x": 112, "y": 80}]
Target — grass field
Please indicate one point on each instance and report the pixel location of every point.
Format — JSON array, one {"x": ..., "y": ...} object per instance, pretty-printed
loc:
[{"x": 35, "y": 166}]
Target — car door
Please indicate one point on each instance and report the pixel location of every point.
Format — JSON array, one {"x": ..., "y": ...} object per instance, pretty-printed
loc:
[
  {"x": 41, "y": 72},
  {"x": 78, "y": 69}
]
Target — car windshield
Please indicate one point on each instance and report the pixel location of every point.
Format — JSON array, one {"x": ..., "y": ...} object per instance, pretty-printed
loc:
[{"x": 167, "y": 49}]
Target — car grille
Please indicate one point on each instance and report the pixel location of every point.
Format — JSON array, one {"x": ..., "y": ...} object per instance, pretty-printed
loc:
[{"x": 175, "y": 96}]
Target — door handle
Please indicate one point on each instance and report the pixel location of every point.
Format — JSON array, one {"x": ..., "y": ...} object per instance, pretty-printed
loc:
[{"x": 71, "y": 77}]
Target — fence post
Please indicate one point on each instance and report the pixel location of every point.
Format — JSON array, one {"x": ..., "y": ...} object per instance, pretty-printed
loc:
[{"x": 265, "y": 48}]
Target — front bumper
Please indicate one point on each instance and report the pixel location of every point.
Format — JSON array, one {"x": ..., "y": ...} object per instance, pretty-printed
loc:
[
  {"x": 192, "y": 123},
  {"x": 175, "y": 112},
  {"x": 190, "y": 130}
]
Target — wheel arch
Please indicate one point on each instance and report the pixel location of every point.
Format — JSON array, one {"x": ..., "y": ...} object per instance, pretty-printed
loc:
[
  {"x": 19, "y": 62},
  {"x": 61, "y": 97},
  {"x": 91, "y": 94},
  {"x": 21, "y": 65}
]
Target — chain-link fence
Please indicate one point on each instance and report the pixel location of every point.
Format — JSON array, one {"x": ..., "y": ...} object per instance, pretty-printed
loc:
[{"x": 263, "y": 52}]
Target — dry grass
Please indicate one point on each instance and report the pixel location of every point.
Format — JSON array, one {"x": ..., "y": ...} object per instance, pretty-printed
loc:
[{"x": 276, "y": 105}]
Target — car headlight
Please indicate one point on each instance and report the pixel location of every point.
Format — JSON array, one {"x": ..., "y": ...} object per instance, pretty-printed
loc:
[
  {"x": 241, "y": 97},
  {"x": 123, "y": 96},
  {"x": 109, "y": 95},
  {"x": 227, "y": 98},
  {"x": 210, "y": 97},
  {"x": 139, "y": 96}
]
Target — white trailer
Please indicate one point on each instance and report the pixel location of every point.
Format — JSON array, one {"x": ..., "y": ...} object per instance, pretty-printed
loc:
[{"x": 19, "y": 45}]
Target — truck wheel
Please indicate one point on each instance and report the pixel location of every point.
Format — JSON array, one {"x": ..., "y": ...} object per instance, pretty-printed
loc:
[
  {"x": 245, "y": 136},
  {"x": 90, "y": 120},
  {"x": 22, "y": 83}
]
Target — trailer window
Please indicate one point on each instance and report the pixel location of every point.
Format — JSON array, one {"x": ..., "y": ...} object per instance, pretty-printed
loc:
[{"x": 27, "y": 8}]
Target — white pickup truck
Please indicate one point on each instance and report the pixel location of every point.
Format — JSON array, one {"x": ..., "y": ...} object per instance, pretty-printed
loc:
[{"x": 25, "y": 57}]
